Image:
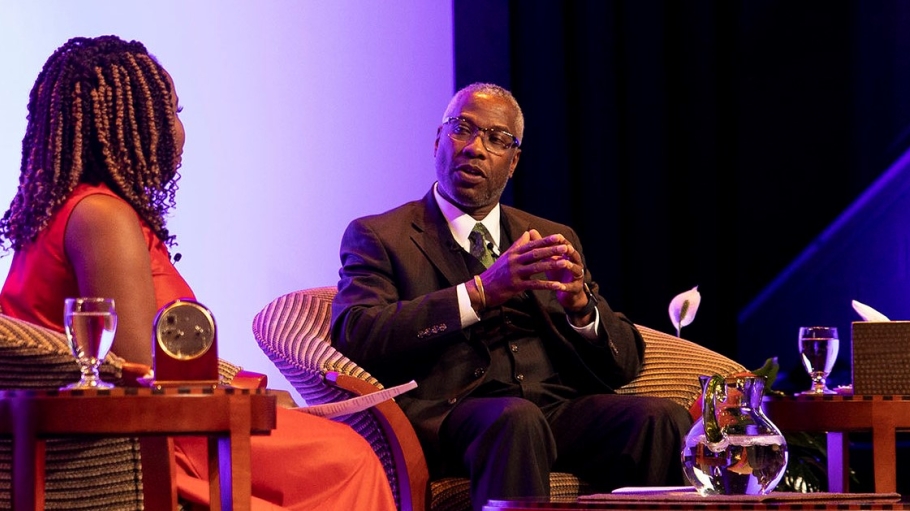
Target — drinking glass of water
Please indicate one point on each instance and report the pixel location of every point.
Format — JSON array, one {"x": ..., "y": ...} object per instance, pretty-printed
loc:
[
  {"x": 90, "y": 324},
  {"x": 818, "y": 347}
]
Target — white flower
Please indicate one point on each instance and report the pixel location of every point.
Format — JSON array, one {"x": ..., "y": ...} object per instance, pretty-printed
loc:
[{"x": 683, "y": 308}]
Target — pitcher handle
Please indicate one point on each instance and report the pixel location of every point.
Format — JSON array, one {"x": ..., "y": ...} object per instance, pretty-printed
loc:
[{"x": 713, "y": 389}]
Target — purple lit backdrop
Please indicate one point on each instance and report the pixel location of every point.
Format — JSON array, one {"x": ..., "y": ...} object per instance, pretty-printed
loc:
[{"x": 299, "y": 115}]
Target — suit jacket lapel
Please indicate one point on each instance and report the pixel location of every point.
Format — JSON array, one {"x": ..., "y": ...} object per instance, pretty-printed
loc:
[
  {"x": 512, "y": 227},
  {"x": 432, "y": 235}
]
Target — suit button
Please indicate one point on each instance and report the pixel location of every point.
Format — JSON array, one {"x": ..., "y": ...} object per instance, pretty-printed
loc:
[
  {"x": 520, "y": 377},
  {"x": 452, "y": 400},
  {"x": 514, "y": 348},
  {"x": 479, "y": 372}
]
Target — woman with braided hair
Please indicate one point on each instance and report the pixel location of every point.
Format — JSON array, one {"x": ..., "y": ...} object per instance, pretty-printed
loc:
[{"x": 98, "y": 177}]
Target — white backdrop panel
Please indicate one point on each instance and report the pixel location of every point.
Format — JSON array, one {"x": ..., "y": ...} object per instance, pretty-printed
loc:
[{"x": 300, "y": 116}]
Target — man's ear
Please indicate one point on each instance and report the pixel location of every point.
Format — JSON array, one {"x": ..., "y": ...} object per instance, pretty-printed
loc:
[
  {"x": 436, "y": 143},
  {"x": 514, "y": 163}
]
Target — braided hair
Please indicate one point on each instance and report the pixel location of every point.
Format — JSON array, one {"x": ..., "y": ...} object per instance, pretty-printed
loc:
[{"x": 99, "y": 112}]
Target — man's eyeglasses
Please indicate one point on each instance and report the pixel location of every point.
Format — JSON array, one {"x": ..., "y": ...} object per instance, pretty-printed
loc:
[{"x": 494, "y": 140}]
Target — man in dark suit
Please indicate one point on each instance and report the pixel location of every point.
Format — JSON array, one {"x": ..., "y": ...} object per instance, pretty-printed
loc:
[{"x": 515, "y": 352}]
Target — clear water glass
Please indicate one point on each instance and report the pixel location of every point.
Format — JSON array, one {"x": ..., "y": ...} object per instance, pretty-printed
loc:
[
  {"x": 90, "y": 324},
  {"x": 818, "y": 347}
]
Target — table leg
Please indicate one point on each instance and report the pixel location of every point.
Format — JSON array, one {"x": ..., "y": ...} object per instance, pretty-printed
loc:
[
  {"x": 239, "y": 457},
  {"x": 28, "y": 460},
  {"x": 838, "y": 462},
  {"x": 240, "y": 490},
  {"x": 218, "y": 477},
  {"x": 159, "y": 477},
  {"x": 884, "y": 451}
]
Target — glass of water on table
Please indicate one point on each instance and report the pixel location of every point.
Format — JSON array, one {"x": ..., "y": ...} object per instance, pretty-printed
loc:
[
  {"x": 90, "y": 323},
  {"x": 818, "y": 346}
]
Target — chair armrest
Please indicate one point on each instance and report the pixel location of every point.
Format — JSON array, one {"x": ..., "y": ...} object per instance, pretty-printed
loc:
[
  {"x": 235, "y": 376},
  {"x": 250, "y": 380},
  {"x": 293, "y": 331},
  {"x": 131, "y": 372},
  {"x": 403, "y": 441},
  {"x": 672, "y": 366}
]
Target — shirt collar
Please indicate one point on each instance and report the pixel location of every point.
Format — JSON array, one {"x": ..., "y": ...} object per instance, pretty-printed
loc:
[{"x": 461, "y": 223}]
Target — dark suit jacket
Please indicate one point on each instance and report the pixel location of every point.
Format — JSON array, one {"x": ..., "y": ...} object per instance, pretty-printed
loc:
[{"x": 396, "y": 314}]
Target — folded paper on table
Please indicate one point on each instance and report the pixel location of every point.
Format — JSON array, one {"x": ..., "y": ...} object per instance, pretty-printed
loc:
[
  {"x": 357, "y": 404},
  {"x": 654, "y": 489},
  {"x": 689, "y": 495},
  {"x": 868, "y": 313}
]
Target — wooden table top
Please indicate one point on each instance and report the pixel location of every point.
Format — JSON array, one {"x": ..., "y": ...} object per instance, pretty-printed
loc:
[
  {"x": 703, "y": 505},
  {"x": 837, "y": 412},
  {"x": 139, "y": 411}
]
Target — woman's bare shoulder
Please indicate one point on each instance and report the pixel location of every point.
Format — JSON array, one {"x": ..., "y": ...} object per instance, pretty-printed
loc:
[{"x": 100, "y": 213}]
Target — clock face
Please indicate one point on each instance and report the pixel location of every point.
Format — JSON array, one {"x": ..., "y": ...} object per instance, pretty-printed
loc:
[{"x": 185, "y": 330}]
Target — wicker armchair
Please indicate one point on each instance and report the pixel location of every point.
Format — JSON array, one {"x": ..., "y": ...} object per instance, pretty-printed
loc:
[
  {"x": 80, "y": 474},
  {"x": 293, "y": 330}
]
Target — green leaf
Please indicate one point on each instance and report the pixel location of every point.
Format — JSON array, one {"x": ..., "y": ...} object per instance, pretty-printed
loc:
[{"x": 768, "y": 371}]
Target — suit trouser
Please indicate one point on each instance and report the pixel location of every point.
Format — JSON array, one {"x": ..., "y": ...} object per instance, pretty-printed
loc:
[{"x": 508, "y": 445}]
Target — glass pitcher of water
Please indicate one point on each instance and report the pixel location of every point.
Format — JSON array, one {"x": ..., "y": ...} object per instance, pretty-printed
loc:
[{"x": 734, "y": 449}]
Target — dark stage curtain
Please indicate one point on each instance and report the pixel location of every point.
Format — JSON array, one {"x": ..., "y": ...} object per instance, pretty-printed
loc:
[{"x": 693, "y": 142}]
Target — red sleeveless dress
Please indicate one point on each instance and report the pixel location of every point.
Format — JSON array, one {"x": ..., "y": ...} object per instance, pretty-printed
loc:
[{"x": 307, "y": 463}]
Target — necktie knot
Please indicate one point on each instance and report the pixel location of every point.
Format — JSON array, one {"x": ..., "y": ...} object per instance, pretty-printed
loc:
[{"x": 481, "y": 245}]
